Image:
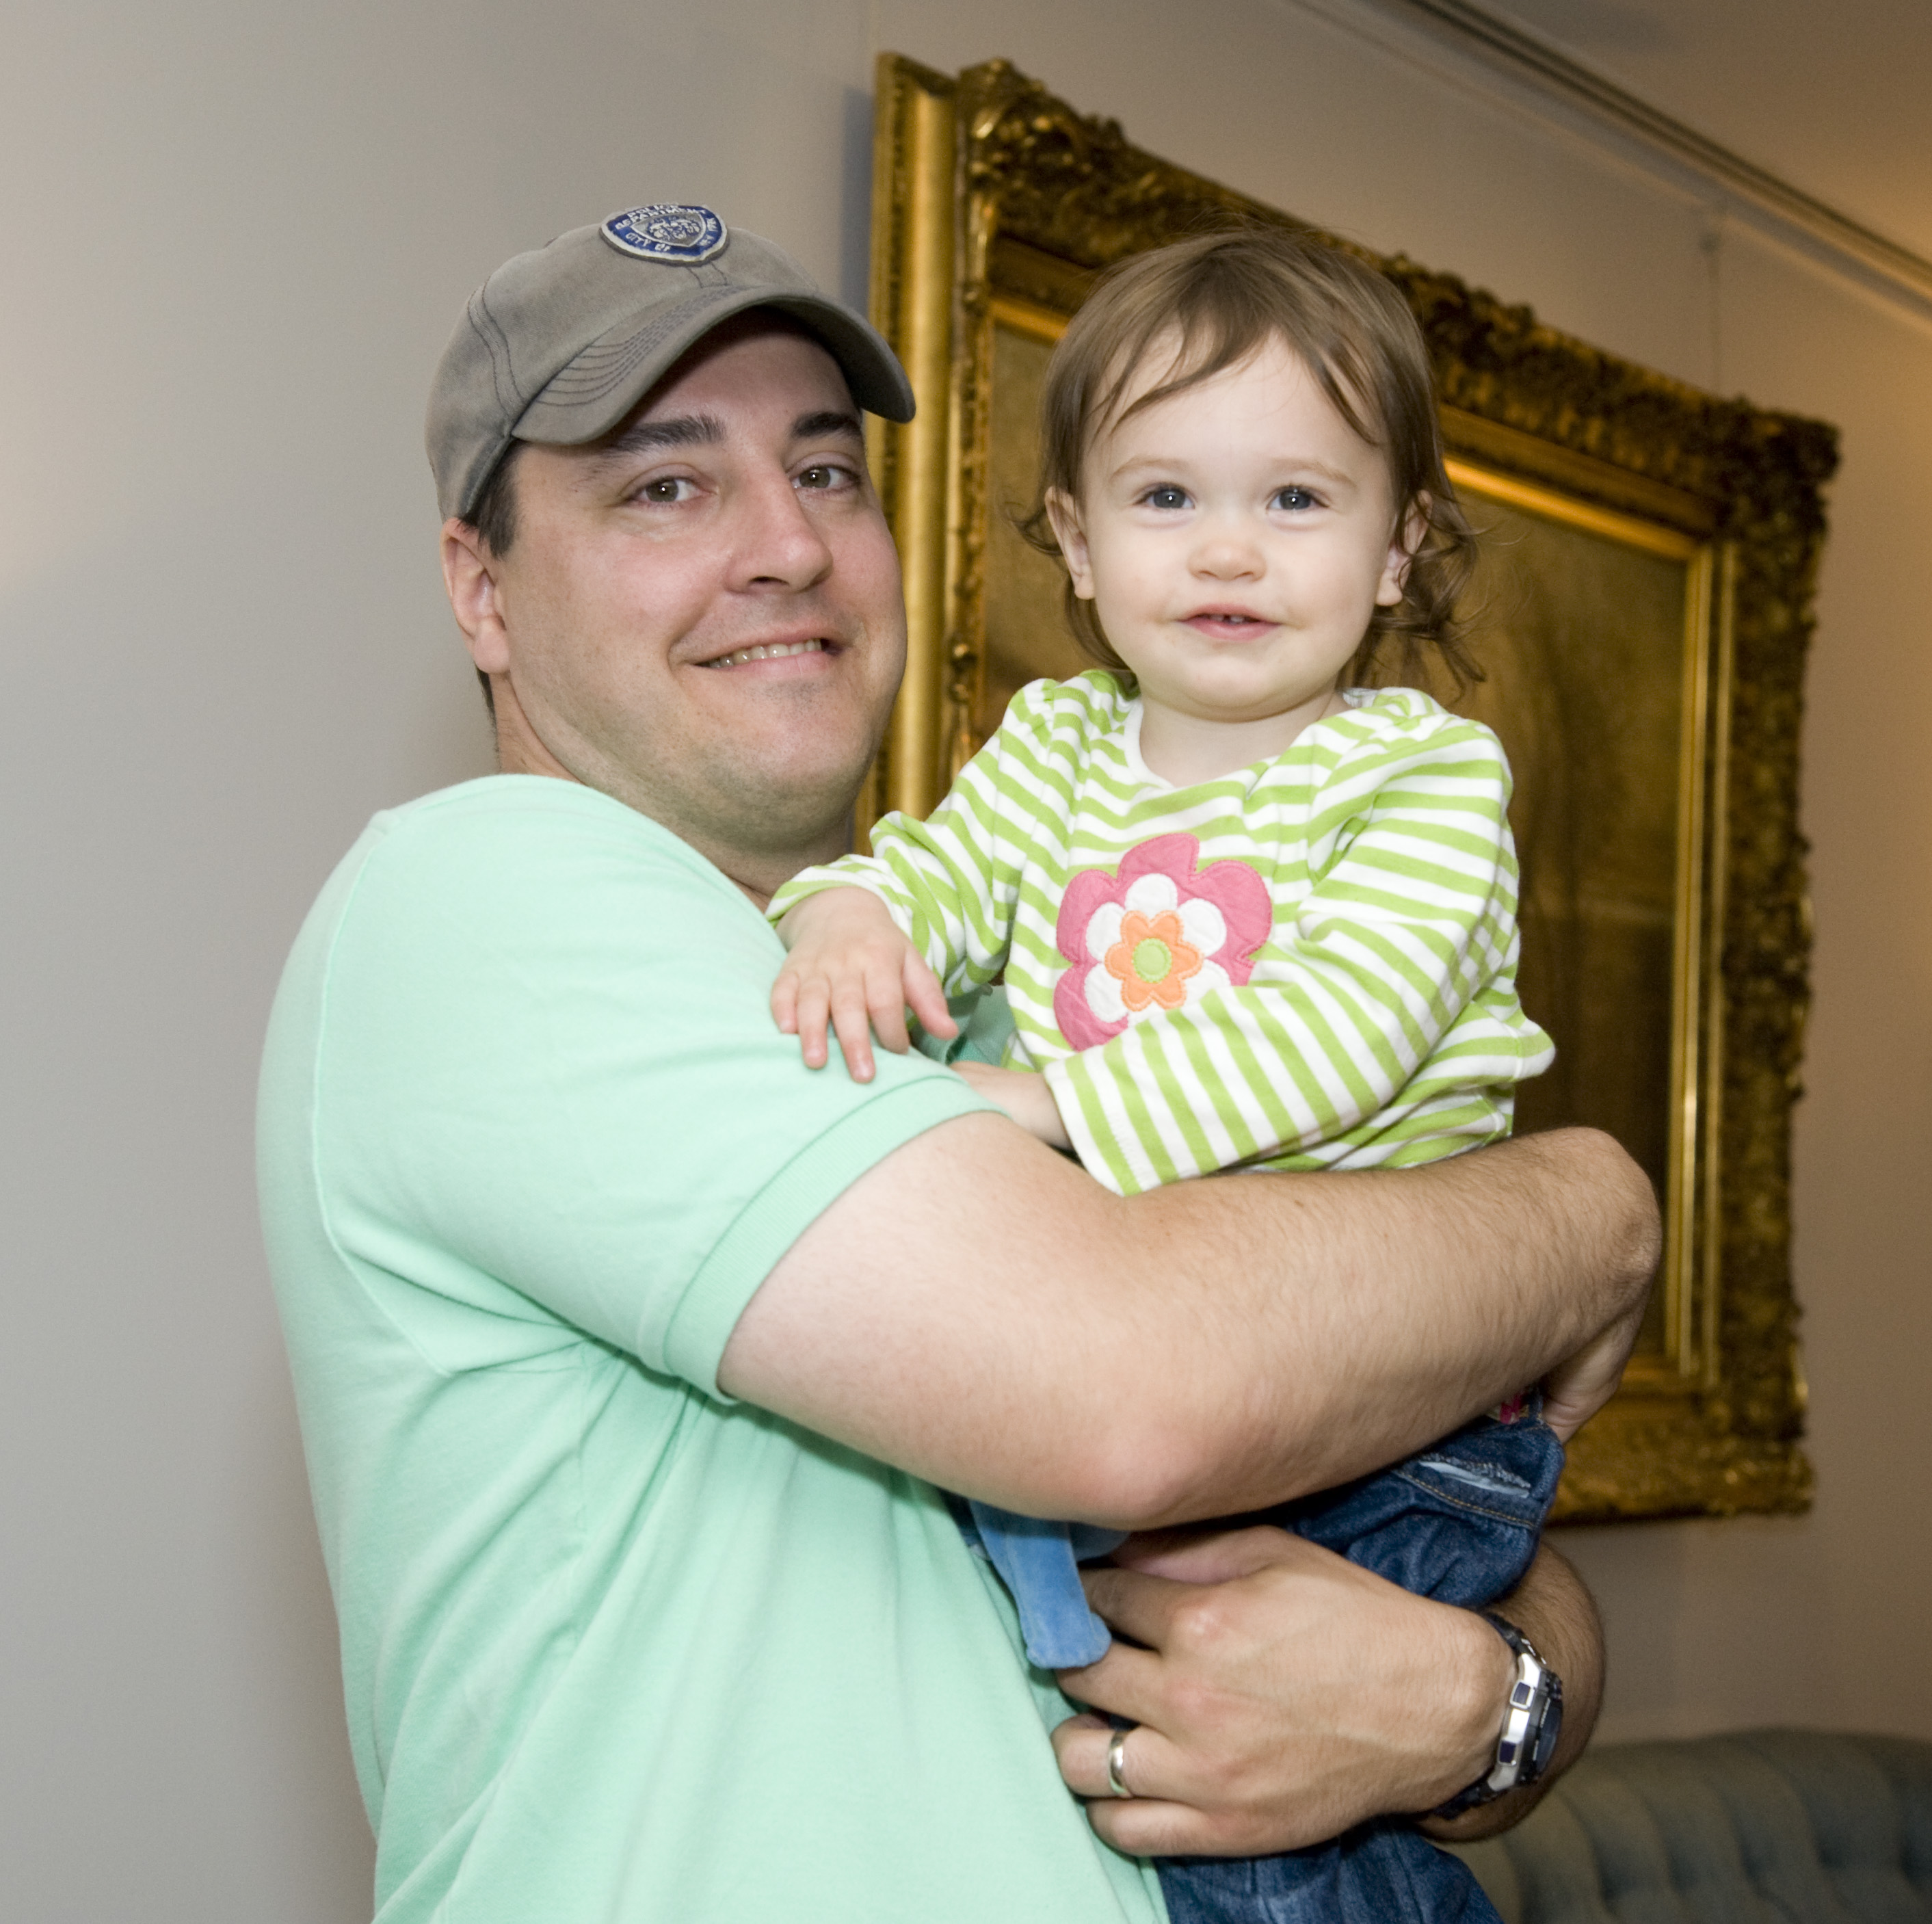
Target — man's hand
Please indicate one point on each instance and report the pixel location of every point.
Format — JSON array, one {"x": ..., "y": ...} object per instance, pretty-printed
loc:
[
  {"x": 851, "y": 963},
  {"x": 1024, "y": 1097},
  {"x": 1581, "y": 1384},
  {"x": 1284, "y": 1694}
]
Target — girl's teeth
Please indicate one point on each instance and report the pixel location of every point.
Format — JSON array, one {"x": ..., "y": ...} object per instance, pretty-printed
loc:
[{"x": 763, "y": 653}]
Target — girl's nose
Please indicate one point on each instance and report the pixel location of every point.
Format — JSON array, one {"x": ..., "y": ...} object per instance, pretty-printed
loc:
[{"x": 1227, "y": 550}]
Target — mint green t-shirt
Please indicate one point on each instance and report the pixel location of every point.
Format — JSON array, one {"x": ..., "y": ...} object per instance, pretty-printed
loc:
[{"x": 615, "y": 1649}]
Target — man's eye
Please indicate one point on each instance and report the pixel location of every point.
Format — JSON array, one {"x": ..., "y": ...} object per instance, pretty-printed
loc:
[
  {"x": 667, "y": 488},
  {"x": 1166, "y": 499},
  {"x": 1296, "y": 500},
  {"x": 824, "y": 474}
]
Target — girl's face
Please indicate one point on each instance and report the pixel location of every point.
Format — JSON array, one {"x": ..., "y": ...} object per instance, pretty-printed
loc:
[{"x": 1235, "y": 539}]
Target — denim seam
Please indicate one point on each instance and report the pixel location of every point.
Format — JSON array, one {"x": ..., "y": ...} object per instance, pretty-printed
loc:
[{"x": 1474, "y": 1509}]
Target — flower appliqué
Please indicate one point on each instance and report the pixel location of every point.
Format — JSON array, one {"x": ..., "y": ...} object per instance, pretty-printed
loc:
[{"x": 1160, "y": 933}]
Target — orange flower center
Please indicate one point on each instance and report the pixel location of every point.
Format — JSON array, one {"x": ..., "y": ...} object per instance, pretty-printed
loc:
[{"x": 1152, "y": 961}]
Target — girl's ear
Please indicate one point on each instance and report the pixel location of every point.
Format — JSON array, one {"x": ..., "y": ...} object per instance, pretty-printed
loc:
[
  {"x": 1408, "y": 537},
  {"x": 1063, "y": 514}
]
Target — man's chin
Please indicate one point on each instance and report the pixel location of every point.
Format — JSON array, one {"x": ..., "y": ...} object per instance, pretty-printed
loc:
[
  {"x": 812, "y": 761},
  {"x": 783, "y": 807}
]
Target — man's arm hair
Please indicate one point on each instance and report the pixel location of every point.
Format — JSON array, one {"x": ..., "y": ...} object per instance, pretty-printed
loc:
[{"x": 978, "y": 1311}]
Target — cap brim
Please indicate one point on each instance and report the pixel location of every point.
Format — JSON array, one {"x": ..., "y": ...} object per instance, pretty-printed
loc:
[{"x": 596, "y": 390}]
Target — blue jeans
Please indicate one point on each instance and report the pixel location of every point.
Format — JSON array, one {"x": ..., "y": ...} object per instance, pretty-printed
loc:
[{"x": 1459, "y": 1523}]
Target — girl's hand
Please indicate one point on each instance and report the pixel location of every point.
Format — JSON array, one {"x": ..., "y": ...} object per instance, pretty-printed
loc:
[
  {"x": 850, "y": 964},
  {"x": 1024, "y": 1097}
]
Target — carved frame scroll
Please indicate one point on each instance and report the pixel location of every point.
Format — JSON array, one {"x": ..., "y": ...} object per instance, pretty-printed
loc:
[{"x": 996, "y": 204}]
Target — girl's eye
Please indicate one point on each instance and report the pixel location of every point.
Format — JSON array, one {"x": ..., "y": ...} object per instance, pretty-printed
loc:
[
  {"x": 1296, "y": 500},
  {"x": 1166, "y": 499}
]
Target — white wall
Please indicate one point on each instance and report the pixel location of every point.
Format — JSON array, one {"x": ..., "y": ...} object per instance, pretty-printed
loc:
[{"x": 237, "y": 238}]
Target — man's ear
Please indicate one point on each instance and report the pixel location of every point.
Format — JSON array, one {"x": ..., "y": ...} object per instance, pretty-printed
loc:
[
  {"x": 1402, "y": 546},
  {"x": 1063, "y": 515},
  {"x": 469, "y": 575}
]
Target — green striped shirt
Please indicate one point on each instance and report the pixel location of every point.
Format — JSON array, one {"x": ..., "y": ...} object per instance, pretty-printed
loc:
[{"x": 1308, "y": 963}]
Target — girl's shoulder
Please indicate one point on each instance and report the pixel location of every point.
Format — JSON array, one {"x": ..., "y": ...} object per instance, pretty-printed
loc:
[
  {"x": 1401, "y": 718},
  {"x": 1091, "y": 703}
]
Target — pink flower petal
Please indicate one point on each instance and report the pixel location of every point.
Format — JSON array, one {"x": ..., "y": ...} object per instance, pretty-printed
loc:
[{"x": 1224, "y": 911}]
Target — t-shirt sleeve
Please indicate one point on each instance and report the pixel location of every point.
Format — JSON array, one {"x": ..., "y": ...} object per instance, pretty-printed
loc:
[{"x": 548, "y": 1087}]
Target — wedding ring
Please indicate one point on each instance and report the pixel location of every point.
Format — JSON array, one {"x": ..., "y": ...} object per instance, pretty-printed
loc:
[{"x": 1116, "y": 1762}]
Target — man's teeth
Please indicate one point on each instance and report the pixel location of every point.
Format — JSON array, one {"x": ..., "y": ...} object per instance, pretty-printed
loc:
[{"x": 763, "y": 652}]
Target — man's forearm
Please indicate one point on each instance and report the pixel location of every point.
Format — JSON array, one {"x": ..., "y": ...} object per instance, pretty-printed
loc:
[{"x": 977, "y": 1311}]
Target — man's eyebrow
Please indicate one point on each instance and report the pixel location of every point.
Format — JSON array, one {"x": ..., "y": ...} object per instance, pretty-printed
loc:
[
  {"x": 645, "y": 437},
  {"x": 831, "y": 421}
]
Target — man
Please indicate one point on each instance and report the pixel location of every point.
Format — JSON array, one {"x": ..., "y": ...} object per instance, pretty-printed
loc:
[{"x": 630, "y": 1352}]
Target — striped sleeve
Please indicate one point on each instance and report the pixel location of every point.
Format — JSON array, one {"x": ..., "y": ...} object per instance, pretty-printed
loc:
[
  {"x": 951, "y": 882},
  {"x": 1378, "y": 1013}
]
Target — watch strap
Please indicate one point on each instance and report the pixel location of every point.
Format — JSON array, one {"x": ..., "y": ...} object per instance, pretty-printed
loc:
[{"x": 1532, "y": 1721}]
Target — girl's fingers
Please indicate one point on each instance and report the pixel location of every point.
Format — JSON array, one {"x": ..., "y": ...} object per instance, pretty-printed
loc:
[
  {"x": 814, "y": 1002},
  {"x": 856, "y": 993},
  {"x": 922, "y": 991},
  {"x": 887, "y": 1004},
  {"x": 853, "y": 1021}
]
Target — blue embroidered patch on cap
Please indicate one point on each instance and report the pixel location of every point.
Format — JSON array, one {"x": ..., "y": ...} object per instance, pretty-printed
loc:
[{"x": 686, "y": 234}]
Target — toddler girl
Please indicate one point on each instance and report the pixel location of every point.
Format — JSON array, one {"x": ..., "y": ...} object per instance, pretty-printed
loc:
[{"x": 1249, "y": 915}]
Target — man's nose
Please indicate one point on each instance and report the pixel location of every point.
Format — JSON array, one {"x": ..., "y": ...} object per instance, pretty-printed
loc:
[{"x": 777, "y": 543}]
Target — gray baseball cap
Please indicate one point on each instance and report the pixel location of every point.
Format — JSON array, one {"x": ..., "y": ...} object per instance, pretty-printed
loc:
[{"x": 560, "y": 344}]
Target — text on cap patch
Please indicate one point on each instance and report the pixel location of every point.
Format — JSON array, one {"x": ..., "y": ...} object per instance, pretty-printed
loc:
[{"x": 686, "y": 234}]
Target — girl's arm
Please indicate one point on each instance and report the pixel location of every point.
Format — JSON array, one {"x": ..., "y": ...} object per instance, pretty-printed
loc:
[
  {"x": 1386, "y": 1010},
  {"x": 949, "y": 884},
  {"x": 1024, "y": 1095}
]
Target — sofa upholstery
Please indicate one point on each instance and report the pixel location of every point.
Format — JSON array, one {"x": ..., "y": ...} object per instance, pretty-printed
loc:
[{"x": 1764, "y": 1827}]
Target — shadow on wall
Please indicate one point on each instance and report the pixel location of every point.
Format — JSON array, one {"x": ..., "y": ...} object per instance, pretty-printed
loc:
[{"x": 1689, "y": 1635}]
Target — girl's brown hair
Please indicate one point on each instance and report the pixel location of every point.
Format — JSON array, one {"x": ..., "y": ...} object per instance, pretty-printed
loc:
[{"x": 1220, "y": 298}]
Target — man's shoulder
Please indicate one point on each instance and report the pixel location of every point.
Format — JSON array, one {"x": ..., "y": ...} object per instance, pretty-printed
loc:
[
  {"x": 498, "y": 889},
  {"x": 511, "y": 845},
  {"x": 503, "y": 815}
]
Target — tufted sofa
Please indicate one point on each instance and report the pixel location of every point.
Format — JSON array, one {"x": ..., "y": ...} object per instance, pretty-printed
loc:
[{"x": 1766, "y": 1827}]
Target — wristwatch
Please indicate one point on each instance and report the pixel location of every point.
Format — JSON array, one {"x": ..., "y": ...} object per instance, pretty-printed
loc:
[{"x": 1532, "y": 1721}]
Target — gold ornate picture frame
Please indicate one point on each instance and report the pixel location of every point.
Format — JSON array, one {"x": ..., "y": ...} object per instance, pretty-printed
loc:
[{"x": 1642, "y": 615}]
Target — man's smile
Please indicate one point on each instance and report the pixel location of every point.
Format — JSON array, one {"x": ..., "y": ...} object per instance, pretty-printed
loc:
[{"x": 772, "y": 651}]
